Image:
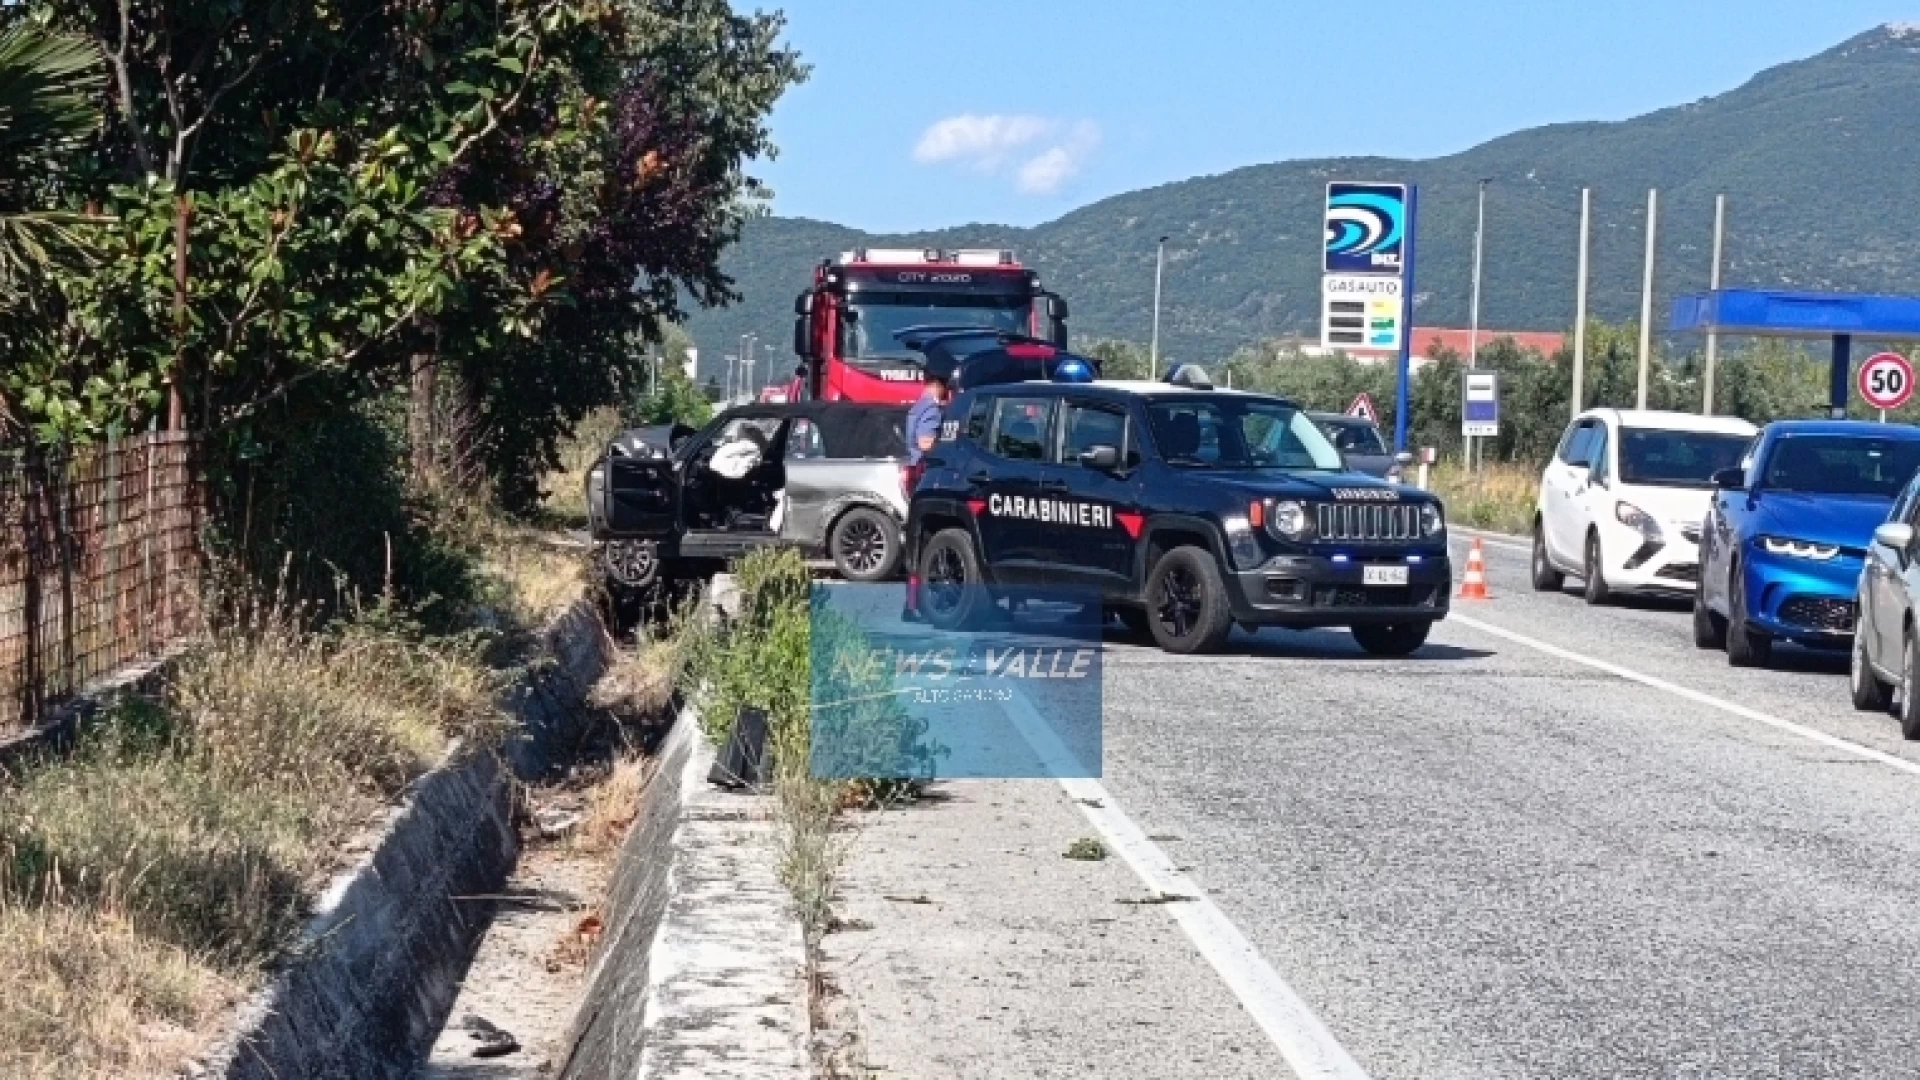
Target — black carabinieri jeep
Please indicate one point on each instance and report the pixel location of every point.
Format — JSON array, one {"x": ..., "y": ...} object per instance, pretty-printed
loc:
[{"x": 1187, "y": 509}]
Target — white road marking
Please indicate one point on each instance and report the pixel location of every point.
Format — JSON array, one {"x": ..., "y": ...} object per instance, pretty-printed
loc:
[
  {"x": 1810, "y": 734},
  {"x": 1302, "y": 1040}
]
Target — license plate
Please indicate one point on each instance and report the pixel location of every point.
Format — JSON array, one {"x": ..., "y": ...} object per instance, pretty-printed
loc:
[{"x": 1383, "y": 575}]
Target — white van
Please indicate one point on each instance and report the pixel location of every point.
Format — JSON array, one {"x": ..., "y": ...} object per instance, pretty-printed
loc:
[{"x": 1622, "y": 501}]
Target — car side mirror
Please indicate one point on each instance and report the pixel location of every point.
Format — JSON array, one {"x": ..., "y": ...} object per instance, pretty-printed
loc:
[
  {"x": 1730, "y": 479},
  {"x": 802, "y": 336},
  {"x": 1403, "y": 459},
  {"x": 1894, "y": 535},
  {"x": 1104, "y": 458},
  {"x": 681, "y": 433}
]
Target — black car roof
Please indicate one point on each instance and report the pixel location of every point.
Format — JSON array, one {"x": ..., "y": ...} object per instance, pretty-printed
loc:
[{"x": 1123, "y": 389}]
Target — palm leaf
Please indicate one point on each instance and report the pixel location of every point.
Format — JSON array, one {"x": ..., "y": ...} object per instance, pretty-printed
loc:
[{"x": 50, "y": 87}]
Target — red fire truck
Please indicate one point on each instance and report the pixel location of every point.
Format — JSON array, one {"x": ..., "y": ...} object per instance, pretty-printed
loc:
[{"x": 845, "y": 326}]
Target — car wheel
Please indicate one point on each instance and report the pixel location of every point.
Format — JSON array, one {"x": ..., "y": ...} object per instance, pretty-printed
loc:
[
  {"x": 1709, "y": 629},
  {"x": 953, "y": 592},
  {"x": 864, "y": 544},
  {"x": 1746, "y": 647},
  {"x": 1392, "y": 639},
  {"x": 1596, "y": 590},
  {"x": 1545, "y": 577},
  {"x": 1869, "y": 693},
  {"x": 1910, "y": 701},
  {"x": 1186, "y": 603},
  {"x": 632, "y": 563}
]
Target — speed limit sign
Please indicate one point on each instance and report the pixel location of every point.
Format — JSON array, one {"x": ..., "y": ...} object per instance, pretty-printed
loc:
[{"x": 1886, "y": 380}]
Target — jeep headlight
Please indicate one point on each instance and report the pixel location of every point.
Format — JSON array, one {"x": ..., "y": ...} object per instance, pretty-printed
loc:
[
  {"x": 1288, "y": 520},
  {"x": 1799, "y": 549},
  {"x": 1636, "y": 519},
  {"x": 1432, "y": 520},
  {"x": 1242, "y": 544}
]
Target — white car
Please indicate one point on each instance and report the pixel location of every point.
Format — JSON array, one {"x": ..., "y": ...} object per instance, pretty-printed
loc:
[{"x": 1622, "y": 501}]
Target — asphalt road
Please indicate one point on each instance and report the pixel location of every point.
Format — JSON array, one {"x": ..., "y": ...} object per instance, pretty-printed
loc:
[{"x": 1497, "y": 859}]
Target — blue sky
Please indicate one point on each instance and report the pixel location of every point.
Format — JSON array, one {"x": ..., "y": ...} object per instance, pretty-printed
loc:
[{"x": 927, "y": 113}]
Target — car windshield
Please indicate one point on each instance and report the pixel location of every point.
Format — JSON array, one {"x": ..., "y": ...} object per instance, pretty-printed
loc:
[
  {"x": 877, "y": 317},
  {"x": 1239, "y": 433},
  {"x": 1841, "y": 465},
  {"x": 1354, "y": 438},
  {"x": 1660, "y": 458}
]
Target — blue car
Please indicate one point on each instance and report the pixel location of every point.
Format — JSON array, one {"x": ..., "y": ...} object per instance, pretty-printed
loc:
[{"x": 1787, "y": 533}]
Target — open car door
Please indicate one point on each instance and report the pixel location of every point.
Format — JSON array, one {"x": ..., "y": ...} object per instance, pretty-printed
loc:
[{"x": 642, "y": 497}]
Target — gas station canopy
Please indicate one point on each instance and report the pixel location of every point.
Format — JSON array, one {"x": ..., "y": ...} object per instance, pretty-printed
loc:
[
  {"x": 1769, "y": 313},
  {"x": 1838, "y": 317}
]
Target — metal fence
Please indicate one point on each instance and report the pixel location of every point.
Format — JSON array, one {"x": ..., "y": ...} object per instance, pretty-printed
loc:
[{"x": 100, "y": 565}]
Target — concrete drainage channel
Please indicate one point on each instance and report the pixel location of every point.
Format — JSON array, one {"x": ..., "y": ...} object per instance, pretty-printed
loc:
[{"x": 698, "y": 971}]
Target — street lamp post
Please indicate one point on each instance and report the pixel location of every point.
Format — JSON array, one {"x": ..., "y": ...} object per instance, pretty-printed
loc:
[
  {"x": 1159, "y": 271},
  {"x": 1473, "y": 331}
]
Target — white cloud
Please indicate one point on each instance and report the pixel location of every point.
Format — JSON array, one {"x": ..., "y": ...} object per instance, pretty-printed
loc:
[
  {"x": 1043, "y": 174},
  {"x": 1049, "y": 152},
  {"x": 982, "y": 141}
]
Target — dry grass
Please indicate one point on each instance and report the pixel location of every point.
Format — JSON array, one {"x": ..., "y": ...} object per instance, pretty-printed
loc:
[
  {"x": 89, "y": 996},
  {"x": 641, "y": 682},
  {"x": 1499, "y": 497},
  {"x": 638, "y": 686},
  {"x": 612, "y": 806},
  {"x": 188, "y": 840},
  {"x": 562, "y": 499},
  {"x": 533, "y": 580}
]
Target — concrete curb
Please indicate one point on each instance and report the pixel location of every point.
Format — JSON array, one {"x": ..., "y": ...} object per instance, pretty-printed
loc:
[
  {"x": 55, "y": 735},
  {"x": 702, "y": 972},
  {"x": 379, "y": 963}
]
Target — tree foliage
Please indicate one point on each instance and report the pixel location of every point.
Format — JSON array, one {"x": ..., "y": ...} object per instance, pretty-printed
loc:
[{"x": 520, "y": 189}]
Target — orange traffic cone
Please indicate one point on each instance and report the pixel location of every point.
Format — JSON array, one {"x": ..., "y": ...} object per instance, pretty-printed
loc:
[{"x": 1474, "y": 587}]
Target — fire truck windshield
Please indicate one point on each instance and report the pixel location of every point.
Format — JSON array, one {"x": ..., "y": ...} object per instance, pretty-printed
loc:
[{"x": 876, "y": 317}]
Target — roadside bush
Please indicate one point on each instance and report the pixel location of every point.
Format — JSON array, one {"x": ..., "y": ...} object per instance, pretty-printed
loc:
[{"x": 765, "y": 658}]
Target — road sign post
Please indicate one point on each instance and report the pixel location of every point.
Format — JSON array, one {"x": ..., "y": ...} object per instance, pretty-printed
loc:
[
  {"x": 1480, "y": 404},
  {"x": 1886, "y": 382}
]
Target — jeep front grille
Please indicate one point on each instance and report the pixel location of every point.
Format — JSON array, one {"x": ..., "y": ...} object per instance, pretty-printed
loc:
[{"x": 1367, "y": 522}]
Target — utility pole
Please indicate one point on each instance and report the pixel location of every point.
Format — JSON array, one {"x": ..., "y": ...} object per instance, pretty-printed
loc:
[
  {"x": 727, "y": 391},
  {"x": 1473, "y": 333},
  {"x": 1580, "y": 301},
  {"x": 1159, "y": 270},
  {"x": 1646, "y": 297},
  {"x": 1713, "y": 336}
]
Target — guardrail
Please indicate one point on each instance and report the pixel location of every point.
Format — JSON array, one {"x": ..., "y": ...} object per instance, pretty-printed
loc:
[{"x": 100, "y": 565}]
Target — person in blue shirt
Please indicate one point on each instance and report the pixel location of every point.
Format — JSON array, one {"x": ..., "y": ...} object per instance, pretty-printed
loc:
[
  {"x": 923, "y": 419},
  {"x": 923, "y": 430}
]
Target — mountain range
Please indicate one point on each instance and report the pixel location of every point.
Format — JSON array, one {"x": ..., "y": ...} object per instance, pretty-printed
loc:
[{"x": 1817, "y": 159}]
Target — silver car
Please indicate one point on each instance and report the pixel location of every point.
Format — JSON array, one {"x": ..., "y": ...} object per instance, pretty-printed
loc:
[
  {"x": 830, "y": 479},
  {"x": 1361, "y": 445}
]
